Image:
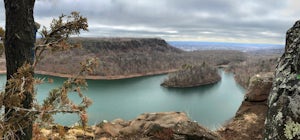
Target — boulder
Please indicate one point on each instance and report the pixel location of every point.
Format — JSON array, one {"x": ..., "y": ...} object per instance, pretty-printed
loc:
[
  {"x": 283, "y": 117},
  {"x": 259, "y": 87}
]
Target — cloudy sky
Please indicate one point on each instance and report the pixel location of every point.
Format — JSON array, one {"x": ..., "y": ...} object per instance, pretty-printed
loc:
[{"x": 249, "y": 21}]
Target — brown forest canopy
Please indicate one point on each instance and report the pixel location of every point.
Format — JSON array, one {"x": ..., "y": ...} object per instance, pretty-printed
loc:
[{"x": 125, "y": 56}]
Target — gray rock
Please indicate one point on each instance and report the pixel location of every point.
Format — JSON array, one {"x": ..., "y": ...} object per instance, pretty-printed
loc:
[
  {"x": 283, "y": 117},
  {"x": 259, "y": 87}
]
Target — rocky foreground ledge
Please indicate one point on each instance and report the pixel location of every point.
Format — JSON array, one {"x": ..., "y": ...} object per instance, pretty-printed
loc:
[
  {"x": 248, "y": 123},
  {"x": 148, "y": 126}
]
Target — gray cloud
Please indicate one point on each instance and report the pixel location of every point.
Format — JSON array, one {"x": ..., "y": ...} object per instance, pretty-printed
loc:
[{"x": 206, "y": 20}]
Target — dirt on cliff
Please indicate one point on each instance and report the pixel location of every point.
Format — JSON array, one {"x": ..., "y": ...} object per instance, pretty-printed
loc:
[{"x": 248, "y": 123}]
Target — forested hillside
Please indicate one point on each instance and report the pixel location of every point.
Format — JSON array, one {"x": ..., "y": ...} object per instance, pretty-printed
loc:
[
  {"x": 253, "y": 65},
  {"x": 132, "y": 56}
]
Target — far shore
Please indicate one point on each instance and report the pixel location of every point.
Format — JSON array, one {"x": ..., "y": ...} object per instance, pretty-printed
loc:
[{"x": 96, "y": 77}]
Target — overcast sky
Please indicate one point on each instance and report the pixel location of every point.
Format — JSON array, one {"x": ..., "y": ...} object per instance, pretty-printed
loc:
[{"x": 250, "y": 21}]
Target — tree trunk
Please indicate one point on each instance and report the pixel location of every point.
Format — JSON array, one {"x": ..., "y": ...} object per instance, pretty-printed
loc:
[{"x": 19, "y": 42}]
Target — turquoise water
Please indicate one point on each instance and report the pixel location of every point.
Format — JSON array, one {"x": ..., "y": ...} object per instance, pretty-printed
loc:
[{"x": 210, "y": 105}]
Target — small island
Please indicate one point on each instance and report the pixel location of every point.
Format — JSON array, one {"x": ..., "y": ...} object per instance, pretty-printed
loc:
[{"x": 192, "y": 76}]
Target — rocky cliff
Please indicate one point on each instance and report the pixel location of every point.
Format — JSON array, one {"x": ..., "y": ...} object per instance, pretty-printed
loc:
[{"x": 283, "y": 118}]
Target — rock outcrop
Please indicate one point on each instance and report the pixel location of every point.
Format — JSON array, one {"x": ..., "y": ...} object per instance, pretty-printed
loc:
[
  {"x": 148, "y": 126},
  {"x": 155, "y": 126},
  {"x": 191, "y": 76},
  {"x": 283, "y": 117},
  {"x": 259, "y": 87},
  {"x": 248, "y": 123}
]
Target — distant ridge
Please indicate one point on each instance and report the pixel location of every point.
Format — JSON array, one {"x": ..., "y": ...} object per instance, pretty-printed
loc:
[
  {"x": 245, "y": 47},
  {"x": 130, "y": 57}
]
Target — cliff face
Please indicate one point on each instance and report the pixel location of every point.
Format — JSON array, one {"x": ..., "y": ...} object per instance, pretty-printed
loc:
[
  {"x": 102, "y": 45},
  {"x": 283, "y": 118}
]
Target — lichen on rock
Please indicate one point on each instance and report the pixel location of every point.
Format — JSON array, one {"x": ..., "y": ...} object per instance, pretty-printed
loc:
[
  {"x": 283, "y": 116},
  {"x": 292, "y": 130}
]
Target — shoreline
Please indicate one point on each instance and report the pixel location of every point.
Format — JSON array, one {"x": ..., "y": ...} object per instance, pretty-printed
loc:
[{"x": 90, "y": 77}]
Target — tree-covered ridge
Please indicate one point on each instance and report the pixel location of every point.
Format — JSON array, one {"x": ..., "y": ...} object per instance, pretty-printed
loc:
[
  {"x": 253, "y": 65},
  {"x": 190, "y": 76},
  {"x": 133, "y": 56}
]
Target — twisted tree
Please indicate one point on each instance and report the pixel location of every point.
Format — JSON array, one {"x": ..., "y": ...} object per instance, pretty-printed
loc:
[{"x": 22, "y": 55}]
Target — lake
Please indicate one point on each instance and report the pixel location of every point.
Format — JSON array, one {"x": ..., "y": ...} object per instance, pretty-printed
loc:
[{"x": 210, "y": 105}]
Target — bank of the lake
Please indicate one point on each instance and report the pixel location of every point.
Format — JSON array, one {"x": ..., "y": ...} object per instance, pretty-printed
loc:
[{"x": 210, "y": 105}]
